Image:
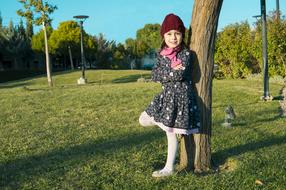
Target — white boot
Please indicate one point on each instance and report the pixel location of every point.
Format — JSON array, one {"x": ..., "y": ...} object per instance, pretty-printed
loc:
[{"x": 145, "y": 120}]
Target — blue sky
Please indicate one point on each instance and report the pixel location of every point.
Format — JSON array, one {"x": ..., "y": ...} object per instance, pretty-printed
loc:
[{"x": 120, "y": 19}]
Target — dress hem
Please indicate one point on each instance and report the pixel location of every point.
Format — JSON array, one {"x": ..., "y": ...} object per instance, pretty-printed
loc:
[{"x": 177, "y": 130}]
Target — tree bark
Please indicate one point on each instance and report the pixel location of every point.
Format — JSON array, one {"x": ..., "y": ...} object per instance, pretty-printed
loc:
[
  {"x": 48, "y": 65},
  {"x": 196, "y": 149}
]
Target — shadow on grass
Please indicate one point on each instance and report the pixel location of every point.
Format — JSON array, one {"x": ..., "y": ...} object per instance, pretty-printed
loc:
[
  {"x": 16, "y": 172},
  {"x": 253, "y": 125},
  {"x": 14, "y": 85},
  {"x": 130, "y": 78},
  {"x": 221, "y": 156},
  {"x": 278, "y": 97},
  {"x": 224, "y": 105}
]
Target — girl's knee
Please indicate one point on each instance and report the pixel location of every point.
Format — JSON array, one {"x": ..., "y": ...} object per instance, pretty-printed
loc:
[{"x": 145, "y": 120}]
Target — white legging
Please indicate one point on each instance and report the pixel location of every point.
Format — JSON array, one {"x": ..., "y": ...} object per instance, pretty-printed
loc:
[
  {"x": 146, "y": 121},
  {"x": 172, "y": 150}
]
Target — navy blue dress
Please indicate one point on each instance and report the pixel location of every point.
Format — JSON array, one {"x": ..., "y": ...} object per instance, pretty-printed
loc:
[{"x": 175, "y": 106}]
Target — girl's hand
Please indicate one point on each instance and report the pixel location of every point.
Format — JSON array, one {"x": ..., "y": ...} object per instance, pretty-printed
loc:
[{"x": 179, "y": 67}]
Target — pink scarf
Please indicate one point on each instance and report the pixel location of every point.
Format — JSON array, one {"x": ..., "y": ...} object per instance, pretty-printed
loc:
[{"x": 171, "y": 53}]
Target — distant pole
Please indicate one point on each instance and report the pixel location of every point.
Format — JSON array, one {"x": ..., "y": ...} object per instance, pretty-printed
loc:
[
  {"x": 277, "y": 10},
  {"x": 71, "y": 61},
  {"x": 266, "y": 95},
  {"x": 81, "y": 49}
]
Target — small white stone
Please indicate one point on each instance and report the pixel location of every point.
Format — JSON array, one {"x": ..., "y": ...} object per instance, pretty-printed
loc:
[
  {"x": 171, "y": 74},
  {"x": 180, "y": 113},
  {"x": 187, "y": 53}
]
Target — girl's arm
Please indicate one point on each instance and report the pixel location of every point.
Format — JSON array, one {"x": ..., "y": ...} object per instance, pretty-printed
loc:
[
  {"x": 164, "y": 73},
  {"x": 156, "y": 74}
]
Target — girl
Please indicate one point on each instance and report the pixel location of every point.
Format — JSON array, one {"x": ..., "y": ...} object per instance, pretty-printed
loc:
[{"x": 174, "y": 109}]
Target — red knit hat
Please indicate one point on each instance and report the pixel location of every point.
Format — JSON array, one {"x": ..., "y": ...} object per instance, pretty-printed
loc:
[{"x": 172, "y": 22}]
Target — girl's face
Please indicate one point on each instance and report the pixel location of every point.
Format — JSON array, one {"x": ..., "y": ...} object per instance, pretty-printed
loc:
[{"x": 173, "y": 38}]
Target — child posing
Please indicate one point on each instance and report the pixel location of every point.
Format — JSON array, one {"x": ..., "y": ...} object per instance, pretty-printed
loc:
[{"x": 175, "y": 109}]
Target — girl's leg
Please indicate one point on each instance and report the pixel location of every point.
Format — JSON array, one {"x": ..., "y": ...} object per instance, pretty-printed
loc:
[
  {"x": 145, "y": 120},
  {"x": 172, "y": 151},
  {"x": 171, "y": 157}
]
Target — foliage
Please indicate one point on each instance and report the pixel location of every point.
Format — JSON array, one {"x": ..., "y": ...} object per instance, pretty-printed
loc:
[
  {"x": 233, "y": 51},
  {"x": 67, "y": 34},
  {"x": 28, "y": 14},
  {"x": 239, "y": 49},
  {"x": 37, "y": 11},
  {"x": 14, "y": 42},
  {"x": 148, "y": 38},
  {"x": 1, "y": 22},
  {"x": 130, "y": 46},
  {"x": 38, "y": 41},
  {"x": 276, "y": 35},
  {"x": 104, "y": 53},
  {"x": 88, "y": 137}
]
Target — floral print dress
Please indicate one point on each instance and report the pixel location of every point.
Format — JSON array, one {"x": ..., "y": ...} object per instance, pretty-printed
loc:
[{"x": 175, "y": 108}]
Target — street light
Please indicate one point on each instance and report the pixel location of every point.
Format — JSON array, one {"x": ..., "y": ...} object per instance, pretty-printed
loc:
[
  {"x": 266, "y": 96},
  {"x": 277, "y": 10},
  {"x": 81, "y": 19}
]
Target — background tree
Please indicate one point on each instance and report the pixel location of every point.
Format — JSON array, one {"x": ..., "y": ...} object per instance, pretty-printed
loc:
[
  {"x": 234, "y": 51},
  {"x": 104, "y": 55},
  {"x": 276, "y": 35},
  {"x": 14, "y": 43},
  {"x": 120, "y": 57},
  {"x": 40, "y": 12},
  {"x": 196, "y": 149},
  {"x": 66, "y": 35},
  {"x": 91, "y": 47},
  {"x": 1, "y": 22},
  {"x": 28, "y": 14},
  {"x": 130, "y": 46},
  {"x": 149, "y": 37},
  {"x": 38, "y": 41}
]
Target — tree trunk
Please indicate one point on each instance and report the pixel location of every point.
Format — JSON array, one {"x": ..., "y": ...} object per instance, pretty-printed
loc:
[
  {"x": 196, "y": 149},
  {"x": 71, "y": 61},
  {"x": 16, "y": 64},
  {"x": 48, "y": 65}
]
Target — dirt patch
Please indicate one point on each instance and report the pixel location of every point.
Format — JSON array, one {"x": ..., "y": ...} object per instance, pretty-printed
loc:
[{"x": 230, "y": 165}]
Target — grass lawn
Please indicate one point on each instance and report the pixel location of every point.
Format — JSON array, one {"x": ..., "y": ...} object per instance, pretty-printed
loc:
[{"x": 88, "y": 137}]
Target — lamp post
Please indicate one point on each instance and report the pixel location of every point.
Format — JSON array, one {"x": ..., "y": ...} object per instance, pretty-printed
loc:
[
  {"x": 266, "y": 96},
  {"x": 82, "y": 18},
  {"x": 277, "y": 10}
]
